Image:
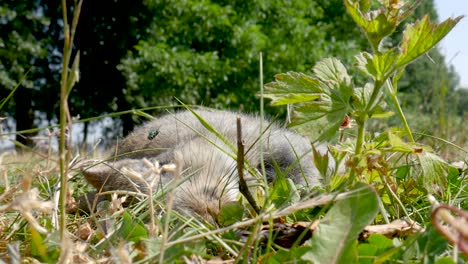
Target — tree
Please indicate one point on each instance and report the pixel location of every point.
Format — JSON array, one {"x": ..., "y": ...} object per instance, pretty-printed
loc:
[
  {"x": 138, "y": 54},
  {"x": 207, "y": 52},
  {"x": 23, "y": 49},
  {"x": 106, "y": 31}
]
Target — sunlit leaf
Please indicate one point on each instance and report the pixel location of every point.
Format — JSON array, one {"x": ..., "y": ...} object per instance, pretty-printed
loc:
[
  {"x": 421, "y": 36},
  {"x": 398, "y": 145},
  {"x": 292, "y": 87},
  {"x": 435, "y": 171},
  {"x": 377, "y": 65},
  {"x": 324, "y": 99},
  {"x": 38, "y": 247},
  {"x": 332, "y": 70},
  {"x": 445, "y": 260},
  {"x": 335, "y": 239},
  {"x": 376, "y": 24}
]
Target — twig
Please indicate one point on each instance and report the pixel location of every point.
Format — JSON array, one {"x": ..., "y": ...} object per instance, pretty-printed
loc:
[
  {"x": 243, "y": 188},
  {"x": 458, "y": 234}
]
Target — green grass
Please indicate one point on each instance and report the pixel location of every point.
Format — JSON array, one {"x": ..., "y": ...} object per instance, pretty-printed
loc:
[
  {"x": 29, "y": 220},
  {"x": 392, "y": 175}
]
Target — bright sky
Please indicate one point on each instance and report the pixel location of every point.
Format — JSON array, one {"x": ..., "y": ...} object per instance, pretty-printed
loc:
[{"x": 455, "y": 44}]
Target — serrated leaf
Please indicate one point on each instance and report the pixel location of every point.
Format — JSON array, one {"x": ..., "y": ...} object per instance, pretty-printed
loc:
[
  {"x": 379, "y": 65},
  {"x": 329, "y": 116},
  {"x": 292, "y": 98},
  {"x": 332, "y": 70},
  {"x": 331, "y": 108},
  {"x": 335, "y": 240},
  {"x": 376, "y": 24},
  {"x": 326, "y": 100},
  {"x": 398, "y": 145},
  {"x": 361, "y": 96},
  {"x": 321, "y": 161},
  {"x": 420, "y": 37},
  {"x": 292, "y": 87},
  {"x": 435, "y": 171}
]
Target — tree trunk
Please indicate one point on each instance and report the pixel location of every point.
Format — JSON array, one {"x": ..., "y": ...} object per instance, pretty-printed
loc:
[{"x": 24, "y": 115}]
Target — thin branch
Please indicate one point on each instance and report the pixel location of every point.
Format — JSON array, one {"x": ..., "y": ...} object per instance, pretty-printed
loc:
[{"x": 243, "y": 188}]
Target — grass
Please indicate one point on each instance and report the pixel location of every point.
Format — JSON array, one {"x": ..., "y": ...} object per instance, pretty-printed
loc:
[
  {"x": 396, "y": 201},
  {"x": 29, "y": 225}
]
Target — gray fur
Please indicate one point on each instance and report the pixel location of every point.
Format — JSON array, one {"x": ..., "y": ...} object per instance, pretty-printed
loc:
[{"x": 213, "y": 174}]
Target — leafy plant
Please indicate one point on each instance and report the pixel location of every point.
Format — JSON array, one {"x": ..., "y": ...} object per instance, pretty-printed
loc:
[
  {"x": 331, "y": 95},
  {"x": 387, "y": 176},
  {"x": 331, "y": 99}
]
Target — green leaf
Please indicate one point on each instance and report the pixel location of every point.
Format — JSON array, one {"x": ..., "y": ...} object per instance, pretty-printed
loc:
[
  {"x": 421, "y": 36},
  {"x": 379, "y": 250},
  {"x": 376, "y": 24},
  {"x": 38, "y": 247},
  {"x": 230, "y": 213},
  {"x": 292, "y": 87},
  {"x": 328, "y": 111},
  {"x": 132, "y": 229},
  {"x": 335, "y": 240},
  {"x": 321, "y": 161},
  {"x": 378, "y": 65},
  {"x": 361, "y": 96},
  {"x": 435, "y": 171},
  {"x": 445, "y": 260},
  {"x": 398, "y": 145},
  {"x": 332, "y": 70}
]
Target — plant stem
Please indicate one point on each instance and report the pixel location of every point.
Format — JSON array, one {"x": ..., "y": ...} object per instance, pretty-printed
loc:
[
  {"x": 360, "y": 136},
  {"x": 361, "y": 121},
  {"x": 63, "y": 162},
  {"x": 397, "y": 105},
  {"x": 64, "y": 152}
]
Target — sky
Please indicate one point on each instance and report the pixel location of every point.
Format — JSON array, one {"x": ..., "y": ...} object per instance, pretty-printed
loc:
[{"x": 455, "y": 45}]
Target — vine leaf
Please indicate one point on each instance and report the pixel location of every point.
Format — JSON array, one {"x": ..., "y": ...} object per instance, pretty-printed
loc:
[
  {"x": 335, "y": 240},
  {"x": 322, "y": 100},
  {"x": 421, "y": 36},
  {"x": 376, "y": 24},
  {"x": 378, "y": 65},
  {"x": 435, "y": 171},
  {"x": 292, "y": 87}
]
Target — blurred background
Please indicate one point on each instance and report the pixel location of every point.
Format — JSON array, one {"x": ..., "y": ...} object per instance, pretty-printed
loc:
[{"x": 140, "y": 54}]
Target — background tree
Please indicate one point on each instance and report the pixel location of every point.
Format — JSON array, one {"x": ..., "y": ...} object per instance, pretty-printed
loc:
[
  {"x": 23, "y": 48},
  {"x": 106, "y": 31},
  {"x": 206, "y": 52},
  {"x": 139, "y": 54}
]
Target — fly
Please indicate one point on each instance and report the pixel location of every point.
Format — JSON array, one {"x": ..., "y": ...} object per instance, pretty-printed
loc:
[{"x": 153, "y": 133}]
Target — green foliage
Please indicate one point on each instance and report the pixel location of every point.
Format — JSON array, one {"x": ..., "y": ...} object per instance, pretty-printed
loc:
[
  {"x": 377, "y": 249},
  {"x": 421, "y": 37},
  {"x": 207, "y": 53},
  {"x": 335, "y": 239},
  {"x": 131, "y": 229},
  {"x": 328, "y": 95},
  {"x": 331, "y": 88},
  {"x": 231, "y": 213}
]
